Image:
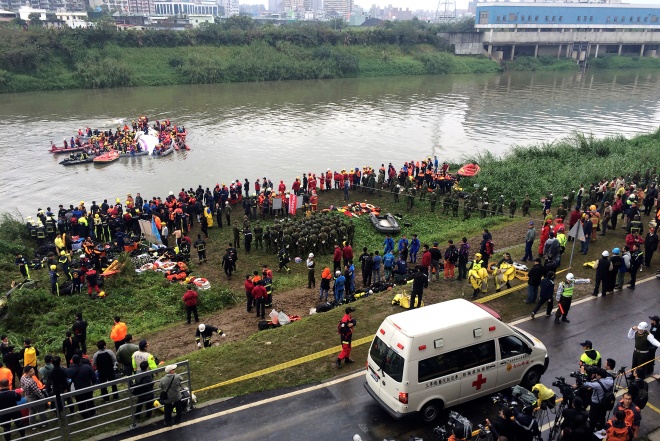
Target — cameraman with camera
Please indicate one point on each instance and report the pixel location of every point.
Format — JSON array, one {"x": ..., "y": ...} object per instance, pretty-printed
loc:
[
  {"x": 575, "y": 424},
  {"x": 527, "y": 427},
  {"x": 503, "y": 425},
  {"x": 601, "y": 385}
]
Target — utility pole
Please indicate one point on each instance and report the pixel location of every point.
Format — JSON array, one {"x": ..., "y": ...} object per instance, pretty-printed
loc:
[{"x": 446, "y": 11}]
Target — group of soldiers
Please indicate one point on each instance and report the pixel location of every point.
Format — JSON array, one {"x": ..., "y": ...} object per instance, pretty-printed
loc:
[
  {"x": 314, "y": 234},
  {"x": 451, "y": 201}
]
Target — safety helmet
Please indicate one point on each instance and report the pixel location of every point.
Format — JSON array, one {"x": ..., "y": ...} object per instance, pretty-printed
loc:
[
  {"x": 82, "y": 202},
  {"x": 201, "y": 327},
  {"x": 118, "y": 200},
  {"x": 62, "y": 253},
  {"x": 643, "y": 326},
  {"x": 570, "y": 277},
  {"x": 96, "y": 216},
  {"x": 485, "y": 189},
  {"x": 53, "y": 267},
  {"x": 592, "y": 208},
  {"x": 337, "y": 273},
  {"x": 606, "y": 253},
  {"x": 101, "y": 294},
  {"x": 311, "y": 255},
  {"x": 478, "y": 255},
  {"x": 371, "y": 291},
  {"x": 616, "y": 251}
]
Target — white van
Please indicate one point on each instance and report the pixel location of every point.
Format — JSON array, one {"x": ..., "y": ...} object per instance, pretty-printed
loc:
[{"x": 435, "y": 357}]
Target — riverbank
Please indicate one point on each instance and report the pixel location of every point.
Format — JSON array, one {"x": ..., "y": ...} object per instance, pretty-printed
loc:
[{"x": 42, "y": 59}]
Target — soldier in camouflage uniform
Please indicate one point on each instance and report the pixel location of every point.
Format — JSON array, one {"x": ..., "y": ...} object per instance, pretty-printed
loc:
[
  {"x": 526, "y": 204},
  {"x": 513, "y": 205},
  {"x": 258, "y": 236},
  {"x": 433, "y": 198}
]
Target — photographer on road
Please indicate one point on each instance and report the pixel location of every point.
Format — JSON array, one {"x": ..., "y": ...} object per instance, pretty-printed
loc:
[
  {"x": 576, "y": 420},
  {"x": 527, "y": 427},
  {"x": 601, "y": 385},
  {"x": 503, "y": 425}
]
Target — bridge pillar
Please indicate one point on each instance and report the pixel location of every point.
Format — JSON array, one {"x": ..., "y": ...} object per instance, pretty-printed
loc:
[
  {"x": 513, "y": 51},
  {"x": 641, "y": 52},
  {"x": 559, "y": 51},
  {"x": 597, "y": 47},
  {"x": 536, "y": 51},
  {"x": 490, "y": 50},
  {"x": 620, "y": 49}
]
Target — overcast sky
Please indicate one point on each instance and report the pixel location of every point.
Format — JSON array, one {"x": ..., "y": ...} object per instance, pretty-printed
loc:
[{"x": 423, "y": 4}]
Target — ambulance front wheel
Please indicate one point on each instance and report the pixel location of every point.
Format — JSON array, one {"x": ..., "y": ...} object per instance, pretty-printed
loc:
[
  {"x": 532, "y": 377},
  {"x": 431, "y": 411}
]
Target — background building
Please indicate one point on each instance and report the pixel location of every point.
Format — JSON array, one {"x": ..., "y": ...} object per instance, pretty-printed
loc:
[{"x": 342, "y": 8}]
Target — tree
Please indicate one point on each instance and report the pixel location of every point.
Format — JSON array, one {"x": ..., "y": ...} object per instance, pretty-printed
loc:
[{"x": 35, "y": 18}]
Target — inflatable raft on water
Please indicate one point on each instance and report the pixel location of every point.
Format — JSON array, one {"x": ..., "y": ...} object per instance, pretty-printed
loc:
[
  {"x": 110, "y": 156},
  {"x": 60, "y": 150},
  {"x": 78, "y": 160},
  {"x": 468, "y": 170},
  {"x": 130, "y": 155},
  {"x": 165, "y": 152},
  {"x": 385, "y": 224}
]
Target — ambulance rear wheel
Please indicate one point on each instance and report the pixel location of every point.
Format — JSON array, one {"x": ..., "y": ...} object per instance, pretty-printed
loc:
[
  {"x": 532, "y": 377},
  {"x": 431, "y": 411}
]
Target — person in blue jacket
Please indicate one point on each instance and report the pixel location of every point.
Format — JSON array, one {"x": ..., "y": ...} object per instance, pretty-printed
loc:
[
  {"x": 403, "y": 243},
  {"x": 414, "y": 248},
  {"x": 339, "y": 288},
  {"x": 388, "y": 265},
  {"x": 388, "y": 244}
]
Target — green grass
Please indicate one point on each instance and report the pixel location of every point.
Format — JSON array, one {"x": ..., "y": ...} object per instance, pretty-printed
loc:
[
  {"x": 563, "y": 165},
  {"x": 541, "y": 64}
]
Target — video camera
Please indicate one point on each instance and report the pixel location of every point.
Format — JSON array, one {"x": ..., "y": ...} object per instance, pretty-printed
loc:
[
  {"x": 581, "y": 378},
  {"x": 457, "y": 424},
  {"x": 566, "y": 390},
  {"x": 521, "y": 398}
]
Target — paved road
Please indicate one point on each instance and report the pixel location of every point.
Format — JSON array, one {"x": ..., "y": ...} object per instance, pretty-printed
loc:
[{"x": 341, "y": 408}]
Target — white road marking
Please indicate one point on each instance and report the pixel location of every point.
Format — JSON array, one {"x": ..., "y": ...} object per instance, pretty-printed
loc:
[{"x": 246, "y": 406}]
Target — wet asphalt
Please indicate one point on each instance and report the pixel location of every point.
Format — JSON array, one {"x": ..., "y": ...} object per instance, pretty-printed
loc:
[{"x": 339, "y": 409}]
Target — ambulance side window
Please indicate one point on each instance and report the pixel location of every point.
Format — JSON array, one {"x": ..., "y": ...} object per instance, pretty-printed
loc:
[
  {"x": 511, "y": 346},
  {"x": 439, "y": 366},
  {"x": 478, "y": 355}
]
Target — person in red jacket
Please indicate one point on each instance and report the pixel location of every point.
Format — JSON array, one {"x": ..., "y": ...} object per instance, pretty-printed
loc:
[
  {"x": 426, "y": 259},
  {"x": 259, "y": 294},
  {"x": 545, "y": 233},
  {"x": 190, "y": 300},
  {"x": 281, "y": 188},
  {"x": 336, "y": 259},
  {"x": 347, "y": 252},
  {"x": 249, "y": 286}
]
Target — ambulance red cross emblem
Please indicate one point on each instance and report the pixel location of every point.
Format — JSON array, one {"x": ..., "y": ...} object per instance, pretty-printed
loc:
[{"x": 478, "y": 382}]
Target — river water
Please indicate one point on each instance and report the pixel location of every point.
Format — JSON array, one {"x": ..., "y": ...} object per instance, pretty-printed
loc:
[{"x": 282, "y": 130}]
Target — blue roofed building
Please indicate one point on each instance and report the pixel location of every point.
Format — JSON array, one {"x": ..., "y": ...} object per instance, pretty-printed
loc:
[{"x": 578, "y": 30}]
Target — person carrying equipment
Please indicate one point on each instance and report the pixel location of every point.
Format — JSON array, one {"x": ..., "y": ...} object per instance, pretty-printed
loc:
[
  {"x": 345, "y": 329},
  {"x": 478, "y": 276},
  {"x": 63, "y": 260},
  {"x": 504, "y": 272},
  {"x": 283, "y": 258},
  {"x": 204, "y": 333}
]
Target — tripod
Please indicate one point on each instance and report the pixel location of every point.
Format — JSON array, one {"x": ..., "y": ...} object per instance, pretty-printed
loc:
[{"x": 555, "y": 430}]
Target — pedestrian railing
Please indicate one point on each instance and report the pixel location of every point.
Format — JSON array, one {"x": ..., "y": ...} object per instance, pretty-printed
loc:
[{"x": 76, "y": 414}]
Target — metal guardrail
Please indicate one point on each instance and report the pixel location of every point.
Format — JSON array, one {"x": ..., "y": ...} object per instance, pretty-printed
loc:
[{"x": 66, "y": 421}]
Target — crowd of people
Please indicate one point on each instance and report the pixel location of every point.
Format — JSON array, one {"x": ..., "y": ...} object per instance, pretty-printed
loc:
[{"x": 90, "y": 143}]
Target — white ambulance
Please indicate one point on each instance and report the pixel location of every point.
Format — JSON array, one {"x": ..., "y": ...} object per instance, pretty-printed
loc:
[{"x": 431, "y": 358}]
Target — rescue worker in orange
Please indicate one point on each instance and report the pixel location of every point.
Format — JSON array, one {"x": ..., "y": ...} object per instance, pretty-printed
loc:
[
  {"x": 118, "y": 333},
  {"x": 346, "y": 327}
]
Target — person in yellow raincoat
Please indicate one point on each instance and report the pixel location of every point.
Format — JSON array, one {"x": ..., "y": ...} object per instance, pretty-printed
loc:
[
  {"x": 209, "y": 216},
  {"x": 504, "y": 272},
  {"x": 478, "y": 276}
]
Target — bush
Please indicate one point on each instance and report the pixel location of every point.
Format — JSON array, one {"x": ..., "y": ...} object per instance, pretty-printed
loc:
[{"x": 109, "y": 72}]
